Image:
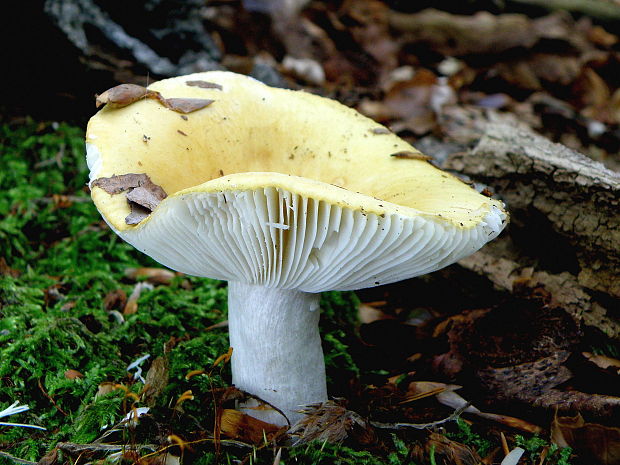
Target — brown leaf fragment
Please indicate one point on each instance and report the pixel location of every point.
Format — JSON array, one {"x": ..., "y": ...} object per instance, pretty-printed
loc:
[
  {"x": 120, "y": 183},
  {"x": 132, "y": 303},
  {"x": 73, "y": 374},
  {"x": 123, "y": 95},
  {"x": 186, "y": 105},
  {"x": 603, "y": 361},
  {"x": 181, "y": 132},
  {"x": 50, "y": 458},
  {"x": 6, "y": 270},
  {"x": 115, "y": 300},
  {"x": 152, "y": 275},
  {"x": 598, "y": 443},
  {"x": 143, "y": 195},
  {"x": 105, "y": 388},
  {"x": 408, "y": 155},
  {"x": 204, "y": 84},
  {"x": 138, "y": 213},
  {"x": 156, "y": 380},
  {"x": 147, "y": 196},
  {"x": 238, "y": 425}
]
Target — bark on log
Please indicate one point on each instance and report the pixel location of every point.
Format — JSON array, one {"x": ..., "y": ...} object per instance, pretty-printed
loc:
[{"x": 565, "y": 215}]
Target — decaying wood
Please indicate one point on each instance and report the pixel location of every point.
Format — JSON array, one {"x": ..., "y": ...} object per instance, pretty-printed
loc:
[{"x": 565, "y": 215}]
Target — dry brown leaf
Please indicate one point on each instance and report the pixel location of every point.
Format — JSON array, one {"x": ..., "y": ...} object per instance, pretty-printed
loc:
[
  {"x": 156, "y": 380},
  {"x": 143, "y": 195},
  {"x": 121, "y": 183},
  {"x": 124, "y": 94},
  {"x": 148, "y": 197},
  {"x": 152, "y": 275},
  {"x": 50, "y": 458},
  {"x": 73, "y": 374},
  {"x": 137, "y": 214},
  {"x": 602, "y": 361},
  {"x": 589, "y": 440},
  {"x": 238, "y": 425},
  {"x": 367, "y": 314},
  {"x": 6, "y": 270},
  {"x": 421, "y": 389},
  {"x": 132, "y": 303}
]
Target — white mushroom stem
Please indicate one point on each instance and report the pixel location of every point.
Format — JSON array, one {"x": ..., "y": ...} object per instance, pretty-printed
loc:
[{"x": 277, "y": 354}]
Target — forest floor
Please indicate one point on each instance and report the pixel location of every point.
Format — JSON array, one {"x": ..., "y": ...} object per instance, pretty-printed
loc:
[{"x": 87, "y": 322}]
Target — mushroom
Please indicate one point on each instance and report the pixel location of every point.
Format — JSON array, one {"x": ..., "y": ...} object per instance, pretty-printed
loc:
[{"x": 283, "y": 194}]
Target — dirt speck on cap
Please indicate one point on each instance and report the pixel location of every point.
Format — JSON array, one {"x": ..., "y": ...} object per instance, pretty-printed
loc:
[
  {"x": 408, "y": 155},
  {"x": 204, "y": 84}
]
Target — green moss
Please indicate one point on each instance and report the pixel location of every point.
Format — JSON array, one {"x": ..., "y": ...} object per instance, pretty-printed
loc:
[
  {"x": 317, "y": 453},
  {"x": 535, "y": 445},
  {"x": 467, "y": 436},
  {"x": 53, "y": 317}
]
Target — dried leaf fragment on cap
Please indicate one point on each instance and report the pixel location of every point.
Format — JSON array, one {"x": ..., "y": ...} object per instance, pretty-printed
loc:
[
  {"x": 186, "y": 105},
  {"x": 204, "y": 84},
  {"x": 148, "y": 197},
  {"x": 122, "y": 182},
  {"x": 137, "y": 213},
  {"x": 411, "y": 155},
  {"x": 143, "y": 194},
  {"x": 125, "y": 94}
]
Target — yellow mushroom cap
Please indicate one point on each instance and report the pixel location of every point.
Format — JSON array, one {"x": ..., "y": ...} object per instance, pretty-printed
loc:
[{"x": 282, "y": 188}]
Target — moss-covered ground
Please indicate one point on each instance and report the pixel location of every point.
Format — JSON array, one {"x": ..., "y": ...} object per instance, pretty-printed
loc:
[
  {"x": 67, "y": 337},
  {"x": 61, "y": 274}
]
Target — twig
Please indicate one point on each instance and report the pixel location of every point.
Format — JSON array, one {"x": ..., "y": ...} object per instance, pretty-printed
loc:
[
  {"x": 51, "y": 399},
  {"x": 454, "y": 416},
  {"x": 71, "y": 447},
  {"x": 594, "y": 8},
  {"x": 16, "y": 459}
]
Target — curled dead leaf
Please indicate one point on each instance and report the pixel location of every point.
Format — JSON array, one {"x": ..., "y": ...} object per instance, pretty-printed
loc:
[
  {"x": 147, "y": 197},
  {"x": 156, "y": 380},
  {"x": 591, "y": 440},
  {"x": 238, "y": 425},
  {"x": 143, "y": 195},
  {"x": 73, "y": 374},
  {"x": 603, "y": 361},
  {"x": 121, "y": 183},
  {"x": 152, "y": 275},
  {"x": 132, "y": 303},
  {"x": 123, "y": 95}
]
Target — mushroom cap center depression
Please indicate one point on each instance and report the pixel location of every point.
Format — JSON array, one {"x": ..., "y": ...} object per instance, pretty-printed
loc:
[{"x": 319, "y": 145}]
